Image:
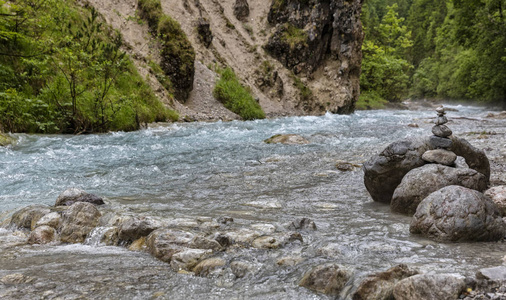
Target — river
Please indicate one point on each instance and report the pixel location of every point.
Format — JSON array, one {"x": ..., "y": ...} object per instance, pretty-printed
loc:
[{"x": 207, "y": 170}]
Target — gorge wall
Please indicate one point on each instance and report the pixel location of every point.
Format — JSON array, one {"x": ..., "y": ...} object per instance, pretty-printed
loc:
[{"x": 298, "y": 57}]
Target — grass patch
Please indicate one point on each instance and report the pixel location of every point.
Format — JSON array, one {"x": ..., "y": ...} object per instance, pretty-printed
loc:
[
  {"x": 294, "y": 36},
  {"x": 236, "y": 97},
  {"x": 370, "y": 100}
]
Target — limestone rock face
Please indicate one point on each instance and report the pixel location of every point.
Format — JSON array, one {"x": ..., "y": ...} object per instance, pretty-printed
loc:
[
  {"x": 24, "y": 217},
  {"x": 78, "y": 221},
  {"x": 455, "y": 214},
  {"x": 241, "y": 9},
  {"x": 429, "y": 287},
  {"x": 73, "y": 195},
  {"x": 335, "y": 33},
  {"x": 380, "y": 286},
  {"x": 421, "y": 182},
  {"x": 329, "y": 279}
]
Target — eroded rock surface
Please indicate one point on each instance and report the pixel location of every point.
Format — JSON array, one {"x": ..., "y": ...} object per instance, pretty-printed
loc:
[
  {"x": 73, "y": 195},
  {"x": 380, "y": 286},
  {"x": 456, "y": 213},
  {"x": 78, "y": 221},
  {"x": 429, "y": 287},
  {"x": 328, "y": 279},
  {"x": 421, "y": 182}
]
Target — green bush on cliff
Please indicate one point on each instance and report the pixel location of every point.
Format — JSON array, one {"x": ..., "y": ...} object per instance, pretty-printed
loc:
[
  {"x": 294, "y": 36},
  {"x": 235, "y": 97},
  {"x": 178, "y": 55},
  {"x": 62, "y": 71}
]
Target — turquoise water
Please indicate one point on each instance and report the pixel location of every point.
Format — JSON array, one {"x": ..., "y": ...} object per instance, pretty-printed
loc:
[{"x": 213, "y": 169}]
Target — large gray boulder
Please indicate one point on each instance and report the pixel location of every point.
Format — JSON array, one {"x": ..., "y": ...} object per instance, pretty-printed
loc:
[
  {"x": 78, "y": 221},
  {"x": 421, "y": 182},
  {"x": 26, "y": 216},
  {"x": 380, "y": 286},
  {"x": 73, "y": 195},
  {"x": 429, "y": 287},
  {"x": 498, "y": 195},
  {"x": 455, "y": 214},
  {"x": 384, "y": 172},
  {"x": 328, "y": 279}
]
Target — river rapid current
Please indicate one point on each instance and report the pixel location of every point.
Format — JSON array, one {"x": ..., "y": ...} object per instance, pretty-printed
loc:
[{"x": 195, "y": 171}]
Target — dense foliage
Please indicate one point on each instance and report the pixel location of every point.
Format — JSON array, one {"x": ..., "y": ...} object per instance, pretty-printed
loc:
[
  {"x": 63, "y": 71},
  {"x": 447, "y": 49},
  {"x": 236, "y": 97}
]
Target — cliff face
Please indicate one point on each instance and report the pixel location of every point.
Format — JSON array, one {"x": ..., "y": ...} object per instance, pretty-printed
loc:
[
  {"x": 311, "y": 34},
  {"x": 298, "y": 57}
]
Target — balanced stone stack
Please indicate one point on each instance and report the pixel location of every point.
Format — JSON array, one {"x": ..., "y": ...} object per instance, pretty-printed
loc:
[{"x": 441, "y": 142}]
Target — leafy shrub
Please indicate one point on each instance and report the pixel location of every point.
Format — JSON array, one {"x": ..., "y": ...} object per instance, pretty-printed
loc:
[
  {"x": 151, "y": 11},
  {"x": 235, "y": 97}
]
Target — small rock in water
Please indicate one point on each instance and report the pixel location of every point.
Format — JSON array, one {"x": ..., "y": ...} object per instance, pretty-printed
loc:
[
  {"x": 207, "y": 266},
  {"x": 440, "y": 156},
  {"x": 380, "y": 286},
  {"x": 25, "y": 217},
  {"x": 73, "y": 195},
  {"x": 287, "y": 139},
  {"x": 78, "y": 221},
  {"x": 328, "y": 279},
  {"x": 52, "y": 219},
  {"x": 413, "y": 125},
  {"x": 302, "y": 224},
  {"x": 241, "y": 268},
  {"x": 346, "y": 166},
  {"x": 429, "y": 287},
  {"x": 133, "y": 228},
  {"x": 187, "y": 259},
  {"x": 225, "y": 220},
  {"x": 16, "y": 278},
  {"x": 441, "y": 143},
  {"x": 289, "y": 261},
  {"x": 441, "y": 131}
]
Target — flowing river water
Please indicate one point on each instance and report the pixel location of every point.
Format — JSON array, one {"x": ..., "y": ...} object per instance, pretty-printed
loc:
[{"x": 207, "y": 170}]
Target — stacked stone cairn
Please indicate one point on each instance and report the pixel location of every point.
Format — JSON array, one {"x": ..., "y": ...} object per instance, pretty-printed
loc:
[
  {"x": 420, "y": 177},
  {"x": 441, "y": 141}
]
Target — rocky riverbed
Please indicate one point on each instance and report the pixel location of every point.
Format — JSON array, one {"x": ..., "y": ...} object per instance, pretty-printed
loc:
[{"x": 211, "y": 210}]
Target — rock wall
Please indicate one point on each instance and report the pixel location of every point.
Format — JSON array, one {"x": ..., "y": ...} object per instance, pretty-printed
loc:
[{"x": 310, "y": 33}]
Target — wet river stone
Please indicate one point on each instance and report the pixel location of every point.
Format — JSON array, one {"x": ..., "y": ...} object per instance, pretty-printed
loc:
[
  {"x": 380, "y": 286},
  {"x": 498, "y": 195},
  {"x": 164, "y": 243},
  {"x": 456, "y": 214},
  {"x": 52, "y": 219},
  {"x": 441, "y": 131},
  {"x": 328, "y": 279},
  {"x": 78, "y": 221},
  {"x": 24, "y": 217},
  {"x": 42, "y": 235},
  {"x": 384, "y": 172},
  {"x": 422, "y": 181},
  {"x": 73, "y": 195},
  {"x": 287, "y": 139},
  {"x": 135, "y": 227},
  {"x": 208, "y": 266},
  {"x": 429, "y": 287}
]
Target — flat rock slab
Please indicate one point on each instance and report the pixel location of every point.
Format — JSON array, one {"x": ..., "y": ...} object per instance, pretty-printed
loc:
[
  {"x": 440, "y": 156},
  {"x": 494, "y": 274}
]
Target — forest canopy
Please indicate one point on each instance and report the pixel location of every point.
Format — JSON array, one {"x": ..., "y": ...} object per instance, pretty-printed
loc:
[{"x": 433, "y": 49}]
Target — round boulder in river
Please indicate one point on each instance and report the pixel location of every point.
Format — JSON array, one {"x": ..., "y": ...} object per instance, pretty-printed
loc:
[
  {"x": 422, "y": 181},
  {"x": 458, "y": 214}
]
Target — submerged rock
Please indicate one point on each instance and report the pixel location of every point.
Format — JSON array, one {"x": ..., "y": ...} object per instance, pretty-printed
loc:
[
  {"x": 241, "y": 268},
  {"x": 456, "y": 214},
  {"x": 16, "y": 278},
  {"x": 328, "y": 279},
  {"x": 26, "y": 216},
  {"x": 302, "y": 224},
  {"x": 78, "y": 221},
  {"x": 207, "y": 266},
  {"x": 188, "y": 258},
  {"x": 73, "y": 195},
  {"x": 287, "y": 139},
  {"x": 5, "y": 140},
  {"x": 380, "y": 286},
  {"x": 429, "y": 287},
  {"x": 421, "y": 182}
]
